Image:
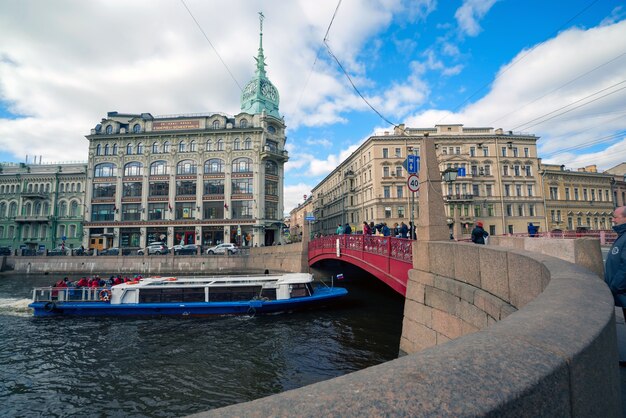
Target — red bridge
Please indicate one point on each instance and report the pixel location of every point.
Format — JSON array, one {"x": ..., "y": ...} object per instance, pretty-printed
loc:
[{"x": 387, "y": 258}]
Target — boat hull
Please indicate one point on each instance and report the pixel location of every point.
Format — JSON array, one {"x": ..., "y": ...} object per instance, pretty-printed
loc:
[{"x": 251, "y": 307}]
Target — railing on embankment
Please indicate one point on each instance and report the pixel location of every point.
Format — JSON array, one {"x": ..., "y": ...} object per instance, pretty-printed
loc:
[{"x": 525, "y": 334}]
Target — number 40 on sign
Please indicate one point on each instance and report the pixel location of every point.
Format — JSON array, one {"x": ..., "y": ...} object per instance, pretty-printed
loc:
[{"x": 413, "y": 183}]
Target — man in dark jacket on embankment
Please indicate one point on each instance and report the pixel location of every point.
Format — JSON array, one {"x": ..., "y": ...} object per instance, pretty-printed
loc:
[{"x": 615, "y": 267}]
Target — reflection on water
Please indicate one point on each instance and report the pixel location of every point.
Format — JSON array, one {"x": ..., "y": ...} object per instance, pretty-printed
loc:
[{"x": 178, "y": 366}]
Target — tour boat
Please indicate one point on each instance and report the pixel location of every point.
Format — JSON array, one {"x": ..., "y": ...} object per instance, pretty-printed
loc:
[{"x": 187, "y": 296}]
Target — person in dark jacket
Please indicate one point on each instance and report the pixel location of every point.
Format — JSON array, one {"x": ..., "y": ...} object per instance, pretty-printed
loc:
[
  {"x": 615, "y": 266},
  {"x": 404, "y": 230},
  {"x": 479, "y": 234},
  {"x": 347, "y": 229},
  {"x": 532, "y": 230}
]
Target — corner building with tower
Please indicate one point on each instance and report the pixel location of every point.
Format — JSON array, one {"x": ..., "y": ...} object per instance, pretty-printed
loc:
[{"x": 189, "y": 179}]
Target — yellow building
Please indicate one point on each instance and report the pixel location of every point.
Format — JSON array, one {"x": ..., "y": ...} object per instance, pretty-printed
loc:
[{"x": 577, "y": 199}]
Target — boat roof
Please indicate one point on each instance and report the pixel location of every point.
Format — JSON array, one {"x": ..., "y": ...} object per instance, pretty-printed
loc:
[{"x": 243, "y": 280}]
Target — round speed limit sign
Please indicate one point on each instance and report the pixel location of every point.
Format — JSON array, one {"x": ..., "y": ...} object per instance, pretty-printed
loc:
[{"x": 413, "y": 183}]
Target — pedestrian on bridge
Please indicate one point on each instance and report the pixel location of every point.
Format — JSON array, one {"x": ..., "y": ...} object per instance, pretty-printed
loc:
[
  {"x": 339, "y": 229},
  {"x": 615, "y": 267},
  {"x": 479, "y": 234}
]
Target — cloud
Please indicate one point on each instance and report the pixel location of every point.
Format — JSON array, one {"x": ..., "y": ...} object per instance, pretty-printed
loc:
[
  {"x": 294, "y": 195},
  {"x": 470, "y": 13}
]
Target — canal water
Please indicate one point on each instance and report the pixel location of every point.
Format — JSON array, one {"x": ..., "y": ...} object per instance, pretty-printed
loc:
[{"x": 167, "y": 367}]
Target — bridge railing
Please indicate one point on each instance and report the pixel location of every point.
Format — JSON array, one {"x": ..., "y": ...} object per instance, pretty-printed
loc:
[
  {"x": 396, "y": 248},
  {"x": 606, "y": 236}
]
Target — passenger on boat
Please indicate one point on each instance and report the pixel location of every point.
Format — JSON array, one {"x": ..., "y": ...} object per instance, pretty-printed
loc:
[{"x": 83, "y": 282}]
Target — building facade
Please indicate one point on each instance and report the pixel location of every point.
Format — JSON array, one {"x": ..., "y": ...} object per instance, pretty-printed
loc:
[
  {"x": 498, "y": 182},
  {"x": 297, "y": 218},
  {"x": 581, "y": 199},
  {"x": 619, "y": 184},
  {"x": 41, "y": 205},
  {"x": 185, "y": 179}
]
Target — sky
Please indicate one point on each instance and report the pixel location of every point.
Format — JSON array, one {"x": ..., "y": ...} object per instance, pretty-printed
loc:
[{"x": 555, "y": 69}]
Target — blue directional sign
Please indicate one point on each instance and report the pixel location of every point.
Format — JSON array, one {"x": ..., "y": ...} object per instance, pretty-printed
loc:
[{"x": 413, "y": 164}]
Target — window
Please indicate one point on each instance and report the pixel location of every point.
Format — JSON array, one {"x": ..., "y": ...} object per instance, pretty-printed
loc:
[
  {"x": 242, "y": 209},
  {"x": 485, "y": 152},
  {"x": 385, "y": 152},
  {"x": 475, "y": 190},
  {"x": 507, "y": 190},
  {"x": 386, "y": 192},
  {"x": 271, "y": 210},
  {"x": 243, "y": 123},
  {"x": 400, "y": 211},
  {"x": 509, "y": 210},
  {"x": 385, "y": 171},
  {"x": 186, "y": 167},
  {"x": 140, "y": 148},
  {"x": 181, "y": 146},
  {"x": 186, "y": 188},
  {"x": 247, "y": 144},
  {"x": 553, "y": 193},
  {"x": 237, "y": 144},
  {"x": 490, "y": 210},
  {"x": 109, "y": 129},
  {"x": 505, "y": 170},
  {"x": 520, "y": 210},
  {"x": 398, "y": 152},
  {"x": 166, "y": 147},
  {"x": 63, "y": 209},
  {"x": 487, "y": 170},
  {"x": 531, "y": 210},
  {"x": 214, "y": 187},
  {"x": 155, "y": 148},
  {"x": 527, "y": 170},
  {"x": 575, "y": 193},
  {"x": 242, "y": 186},
  {"x": 129, "y": 149},
  {"x": 271, "y": 129},
  {"x": 593, "y": 195},
  {"x": 103, "y": 190},
  {"x": 73, "y": 209},
  {"x": 472, "y": 151},
  {"x": 185, "y": 210},
  {"x": 133, "y": 169},
  {"x": 476, "y": 211},
  {"x": 159, "y": 168},
  {"x": 242, "y": 165},
  {"x": 271, "y": 187},
  {"x": 132, "y": 189},
  {"x": 567, "y": 193},
  {"x": 271, "y": 168},
  {"x": 136, "y": 128},
  {"x": 457, "y": 150},
  {"x": 516, "y": 170},
  {"x": 213, "y": 210},
  {"x": 271, "y": 146},
  {"x": 387, "y": 212},
  {"x": 214, "y": 166},
  {"x": 515, "y": 153},
  {"x": 504, "y": 151},
  {"x": 526, "y": 153},
  {"x": 220, "y": 145},
  {"x": 105, "y": 170},
  {"x": 216, "y": 124},
  {"x": 518, "y": 190},
  {"x": 102, "y": 212},
  {"x": 99, "y": 149},
  {"x": 585, "y": 194},
  {"x": 529, "y": 190},
  {"x": 160, "y": 188},
  {"x": 399, "y": 192},
  {"x": 131, "y": 211},
  {"x": 399, "y": 170},
  {"x": 156, "y": 211}
]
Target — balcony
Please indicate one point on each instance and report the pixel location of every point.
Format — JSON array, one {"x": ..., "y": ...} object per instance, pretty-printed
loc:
[
  {"x": 274, "y": 153},
  {"x": 32, "y": 218},
  {"x": 459, "y": 198},
  {"x": 35, "y": 195}
]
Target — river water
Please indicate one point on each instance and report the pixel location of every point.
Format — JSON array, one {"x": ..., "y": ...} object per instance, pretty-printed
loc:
[{"x": 166, "y": 367}]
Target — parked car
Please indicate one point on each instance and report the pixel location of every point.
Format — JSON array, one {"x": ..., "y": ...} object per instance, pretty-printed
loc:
[
  {"x": 175, "y": 248},
  {"x": 157, "y": 248},
  {"x": 5, "y": 251},
  {"x": 83, "y": 251},
  {"x": 110, "y": 251},
  {"x": 223, "y": 249},
  {"x": 189, "y": 249},
  {"x": 57, "y": 251}
]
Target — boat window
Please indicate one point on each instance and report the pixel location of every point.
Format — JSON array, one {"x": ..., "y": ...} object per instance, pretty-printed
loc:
[
  {"x": 299, "y": 290},
  {"x": 269, "y": 294},
  {"x": 233, "y": 293},
  {"x": 192, "y": 294}
]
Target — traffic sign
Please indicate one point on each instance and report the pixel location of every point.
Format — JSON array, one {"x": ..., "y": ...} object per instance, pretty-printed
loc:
[
  {"x": 412, "y": 164},
  {"x": 309, "y": 218},
  {"x": 413, "y": 182}
]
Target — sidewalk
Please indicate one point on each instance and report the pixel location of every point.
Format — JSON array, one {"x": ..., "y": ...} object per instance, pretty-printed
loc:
[{"x": 621, "y": 345}]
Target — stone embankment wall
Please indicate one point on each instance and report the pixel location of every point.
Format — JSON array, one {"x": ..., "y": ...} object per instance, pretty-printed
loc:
[
  {"x": 280, "y": 258},
  {"x": 526, "y": 334}
]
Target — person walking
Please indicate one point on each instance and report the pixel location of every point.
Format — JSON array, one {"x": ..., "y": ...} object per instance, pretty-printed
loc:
[
  {"x": 532, "y": 230},
  {"x": 404, "y": 230},
  {"x": 339, "y": 229},
  {"x": 479, "y": 234},
  {"x": 366, "y": 228},
  {"x": 615, "y": 265},
  {"x": 347, "y": 229}
]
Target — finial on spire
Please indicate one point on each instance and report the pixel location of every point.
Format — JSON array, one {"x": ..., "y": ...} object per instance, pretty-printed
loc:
[{"x": 261, "y": 17}]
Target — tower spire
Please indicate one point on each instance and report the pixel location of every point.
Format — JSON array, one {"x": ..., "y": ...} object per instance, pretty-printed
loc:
[{"x": 260, "y": 59}]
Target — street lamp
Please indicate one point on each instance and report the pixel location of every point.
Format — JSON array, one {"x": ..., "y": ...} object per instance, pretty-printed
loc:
[{"x": 449, "y": 174}]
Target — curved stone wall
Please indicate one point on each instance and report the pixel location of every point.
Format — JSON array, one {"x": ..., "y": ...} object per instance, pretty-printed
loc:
[{"x": 556, "y": 356}]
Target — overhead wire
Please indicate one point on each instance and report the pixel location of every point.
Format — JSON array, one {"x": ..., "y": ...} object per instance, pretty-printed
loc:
[
  {"x": 210, "y": 43},
  {"x": 518, "y": 60}
]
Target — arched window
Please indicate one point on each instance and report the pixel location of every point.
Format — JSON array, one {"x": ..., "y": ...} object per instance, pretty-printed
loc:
[
  {"x": 12, "y": 209},
  {"x": 114, "y": 149},
  {"x": 99, "y": 149},
  {"x": 133, "y": 169},
  {"x": 78, "y": 188},
  {"x": 243, "y": 123},
  {"x": 72, "y": 229},
  {"x": 30, "y": 188},
  {"x": 73, "y": 187},
  {"x": 181, "y": 146},
  {"x": 140, "y": 148},
  {"x": 62, "y": 208},
  {"x": 26, "y": 210},
  {"x": 62, "y": 188},
  {"x": 187, "y": 167},
  {"x": 216, "y": 124},
  {"x": 129, "y": 149},
  {"x": 47, "y": 187},
  {"x": 109, "y": 129},
  {"x": 159, "y": 168},
  {"x": 247, "y": 144},
  {"x": 3, "y": 209},
  {"x": 271, "y": 168},
  {"x": 237, "y": 145},
  {"x": 242, "y": 165},
  {"x": 209, "y": 145},
  {"x": 155, "y": 148},
  {"x": 105, "y": 170},
  {"x": 46, "y": 208},
  {"x": 74, "y": 208},
  {"x": 220, "y": 145},
  {"x": 136, "y": 128},
  {"x": 192, "y": 146},
  {"x": 106, "y": 149},
  {"x": 166, "y": 147},
  {"x": 213, "y": 166},
  {"x": 26, "y": 231},
  {"x": 37, "y": 209}
]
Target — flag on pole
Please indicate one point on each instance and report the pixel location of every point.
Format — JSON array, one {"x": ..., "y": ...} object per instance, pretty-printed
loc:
[{"x": 340, "y": 276}]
